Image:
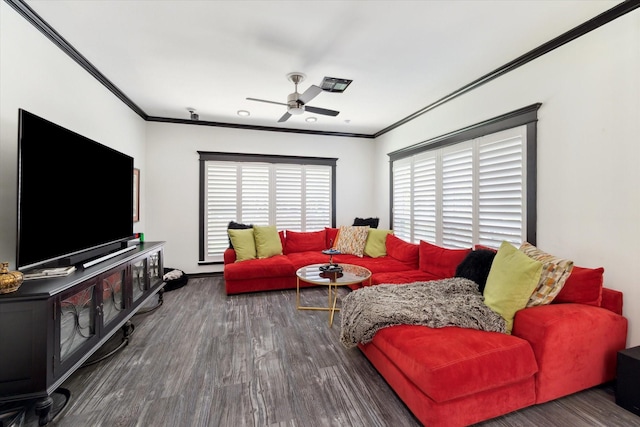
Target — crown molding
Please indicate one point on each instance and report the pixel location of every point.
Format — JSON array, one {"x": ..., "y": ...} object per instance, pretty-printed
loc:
[
  {"x": 255, "y": 127},
  {"x": 615, "y": 12},
  {"x": 30, "y": 15},
  {"x": 582, "y": 29}
]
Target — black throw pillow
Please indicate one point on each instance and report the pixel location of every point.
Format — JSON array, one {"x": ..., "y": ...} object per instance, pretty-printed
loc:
[
  {"x": 237, "y": 226},
  {"x": 371, "y": 222},
  {"x": 475, "y": 266}
]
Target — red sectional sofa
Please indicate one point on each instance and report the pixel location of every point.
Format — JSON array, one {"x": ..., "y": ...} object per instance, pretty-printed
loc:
[{"x": 455, "y": 376}]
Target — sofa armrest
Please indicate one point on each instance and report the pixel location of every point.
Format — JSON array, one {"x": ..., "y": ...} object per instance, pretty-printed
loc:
[
  {"x": 229, "y": 256},
  {"x": 612, "y": 300},
  {"x": 575, "y": 346}
]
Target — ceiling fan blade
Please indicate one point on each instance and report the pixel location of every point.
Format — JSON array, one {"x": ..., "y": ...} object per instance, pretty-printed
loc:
[
  {"x": 284, "y": 117},
  {"x": 264, "y": 100},
  {"x": 323, "y": 111},
  {"x": 310, "y": 93}
]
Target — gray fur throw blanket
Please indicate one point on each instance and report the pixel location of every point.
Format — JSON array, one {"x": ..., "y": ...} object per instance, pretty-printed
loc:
[{"x": 436, "y": 304}]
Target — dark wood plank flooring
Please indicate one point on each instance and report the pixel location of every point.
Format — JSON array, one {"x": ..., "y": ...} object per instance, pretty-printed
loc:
[{"x": 205, "y": 359}]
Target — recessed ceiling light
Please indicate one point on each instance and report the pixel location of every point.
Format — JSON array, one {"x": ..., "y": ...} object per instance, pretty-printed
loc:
[
  {"x": 243, "y": 113},
  {"x": 311, "y": 119}
]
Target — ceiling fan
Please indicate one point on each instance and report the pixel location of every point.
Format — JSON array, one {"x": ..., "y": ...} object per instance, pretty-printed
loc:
[{"x": 297, "y": 103}]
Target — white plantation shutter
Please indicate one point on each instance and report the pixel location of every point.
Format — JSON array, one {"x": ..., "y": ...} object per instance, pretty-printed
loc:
[
  {"x": 289, "y": 191},
  {"x": 253, "y": 206},
  {"x": 291, "y": 196},
  {"x": 402, "y": 199},
  {"x": 466, "y": 193},
  {"x": 318, "y": 197},
  {"x": 457, "y": 196},
  {"x": 221, "y": 198},
  {"x": 501, "y": 201},
  {"x": 425, "y": 214}
]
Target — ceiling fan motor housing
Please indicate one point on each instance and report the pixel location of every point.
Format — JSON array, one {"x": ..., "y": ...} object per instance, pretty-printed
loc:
[{"x": 294, "y": 106}]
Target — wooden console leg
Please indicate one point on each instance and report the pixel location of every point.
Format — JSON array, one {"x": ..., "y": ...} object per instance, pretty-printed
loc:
[{"x": 43, "y": 410}]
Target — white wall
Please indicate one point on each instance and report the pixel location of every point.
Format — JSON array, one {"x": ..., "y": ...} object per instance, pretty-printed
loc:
[
  {"x": 172, "y": 177},
  {"x": 588, "y": 149},
  {"x": 37, "y": 76}
]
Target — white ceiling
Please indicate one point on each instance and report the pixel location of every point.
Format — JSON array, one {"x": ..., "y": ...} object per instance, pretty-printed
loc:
[{"x": 210, "y": 55}]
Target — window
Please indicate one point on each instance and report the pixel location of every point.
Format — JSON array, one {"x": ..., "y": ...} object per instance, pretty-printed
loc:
[
  {"x": 474, "y": 186},
  {"x": 294, "y": 193}
]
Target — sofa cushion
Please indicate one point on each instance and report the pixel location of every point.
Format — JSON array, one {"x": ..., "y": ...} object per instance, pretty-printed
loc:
[
  {"x": 405, "y": 252},
  {"x": 267, "y": 241},
  {"x": 243, "y": 243},
  {"x": 439, "y": 261},
  {"x": 275, "y": 266},
  {"x": 375, "y": 265},
  {"x": 376, "y": 245},
  {"x": 476, "y": 266},
  {"x": 351, "y": 240},
  {"x": 555, "y": 272},
  {"x": 583, "y": 286},
  {"x": 511, "y": 281},
  {"x": 467, "y": 361},
  {"x": 575, "y": 346},
  {"x": 400, "y": 277},
  {"x": 297, "y": 241},
  {"x": 302, "y": 259}
]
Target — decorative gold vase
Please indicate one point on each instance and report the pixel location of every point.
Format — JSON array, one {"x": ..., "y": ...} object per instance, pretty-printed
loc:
[{"x": 10, "y": 281}]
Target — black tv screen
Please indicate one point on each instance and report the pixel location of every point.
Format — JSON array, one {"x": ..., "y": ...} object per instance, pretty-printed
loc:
[{"x": 74, "y": 194}]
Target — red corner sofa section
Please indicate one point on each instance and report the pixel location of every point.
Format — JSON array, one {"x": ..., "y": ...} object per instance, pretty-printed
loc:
[{"x": 455, "y": 376}]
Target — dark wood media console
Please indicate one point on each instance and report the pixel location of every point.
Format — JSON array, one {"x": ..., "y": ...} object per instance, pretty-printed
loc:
[{"x": 50, "y": 327}]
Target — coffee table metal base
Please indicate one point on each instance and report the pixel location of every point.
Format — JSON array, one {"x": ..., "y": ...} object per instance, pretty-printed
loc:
[
  {"x": 332, "y": 301},
  {"x": 350, "y": 275}
]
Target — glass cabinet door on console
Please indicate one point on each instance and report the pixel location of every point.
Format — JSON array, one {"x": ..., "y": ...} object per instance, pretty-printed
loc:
[
  {"x": 76, "y": 312},
  {"x": 113, "y": 296},
  {"x": 155, "y": 268},
  {"x": 139, "y": 278}
]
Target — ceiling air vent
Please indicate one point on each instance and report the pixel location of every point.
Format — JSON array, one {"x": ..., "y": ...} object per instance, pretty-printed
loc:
[{"x": 333, "y": 84}]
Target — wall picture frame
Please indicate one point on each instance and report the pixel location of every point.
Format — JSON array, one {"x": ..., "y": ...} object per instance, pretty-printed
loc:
[{"x": 136, "y": 195}]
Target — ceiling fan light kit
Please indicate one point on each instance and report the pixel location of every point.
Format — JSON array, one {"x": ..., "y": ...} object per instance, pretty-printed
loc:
[{"x": 297, "y": 103}]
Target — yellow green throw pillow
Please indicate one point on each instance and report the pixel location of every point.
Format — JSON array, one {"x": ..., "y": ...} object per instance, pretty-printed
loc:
[
  {"x": 243, "y": 243},
  {"x": 267, "y": 241},
  {"x": 376, "y": 245},
  {"x": 512, "y": 279}
]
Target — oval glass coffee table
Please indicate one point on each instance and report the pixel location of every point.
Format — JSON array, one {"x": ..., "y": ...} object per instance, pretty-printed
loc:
[{"x": 350, "y": 275}]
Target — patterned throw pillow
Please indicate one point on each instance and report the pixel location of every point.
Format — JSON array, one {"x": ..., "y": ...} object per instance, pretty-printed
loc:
[
  {"x": 555, "y": 272},
  {"x": 351, "y": 240}
]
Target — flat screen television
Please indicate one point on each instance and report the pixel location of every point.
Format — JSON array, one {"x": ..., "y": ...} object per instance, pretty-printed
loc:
[{"x": 75, "y": 195}]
